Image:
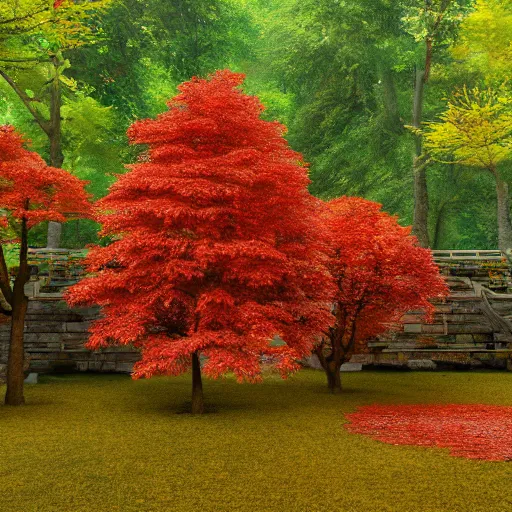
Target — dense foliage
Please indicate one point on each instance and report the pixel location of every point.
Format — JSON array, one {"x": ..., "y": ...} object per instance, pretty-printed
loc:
[
  {"x": 216, "y": 242},
  {"x": 341, "y": 75}
]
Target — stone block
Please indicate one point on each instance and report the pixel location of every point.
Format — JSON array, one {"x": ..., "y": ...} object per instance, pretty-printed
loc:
[
  {"x": 82, "y": 366},
  {"x": 362, "y": 358},
  {"x": 351, "y": 367},
  {"x": 124, "y": 367},
  {"x": 416, "y": 328},
  {"x": 40, "y": 365},
  {"x": 77, "y": 326},
  {"x": 412, "y": 319},
  {"x": 421, "y": 364},
  {"x": 482, "y": 338},
  {"x": 31, "y": 378},
  {"x": 433, "y": 328},
  {"x": 313, "y": 362},
  {"x": 44, "y": 326}
]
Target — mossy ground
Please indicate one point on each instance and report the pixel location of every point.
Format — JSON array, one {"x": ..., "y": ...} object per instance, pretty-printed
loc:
[{"x": 106, "y": 443}]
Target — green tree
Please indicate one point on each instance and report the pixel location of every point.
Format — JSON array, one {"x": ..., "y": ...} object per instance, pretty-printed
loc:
[
  {"x": 34, "y": 37},
  {"x": 476, "y": 130}
]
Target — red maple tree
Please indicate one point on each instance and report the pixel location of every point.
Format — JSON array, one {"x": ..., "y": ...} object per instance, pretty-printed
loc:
[
  {"x": 215, "y": 243},
  {"x": 380, "y": 272},
  {"x": 30, "y": 193}
]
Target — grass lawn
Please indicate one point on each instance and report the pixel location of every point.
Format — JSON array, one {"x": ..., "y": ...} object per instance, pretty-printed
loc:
[{"x": 106, "y": 443}]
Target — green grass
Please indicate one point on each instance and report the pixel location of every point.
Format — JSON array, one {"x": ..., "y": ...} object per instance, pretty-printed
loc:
[{"x": 106, "y": 443}]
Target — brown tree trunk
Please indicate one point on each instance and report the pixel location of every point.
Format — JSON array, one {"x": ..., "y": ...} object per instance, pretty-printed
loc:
[
  {"x": 420, "y": 218},
  {"x": 333, "y": 377},
  {"x": 56, "y": 155},
  {"x": 197, "y": 386},
  {"x": 16, "y": 357},
  {"x": 504, "y": 224},
  {"x": 439, "y": 226},
  {"x": 331, "y": 367},
  {"x": 51, "y": 127}
]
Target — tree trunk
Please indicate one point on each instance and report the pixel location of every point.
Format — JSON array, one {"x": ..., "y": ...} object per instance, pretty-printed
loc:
[
  {"x": 197, "y": 386},
  {"x": 504, "y": 225},
  {"x": 331, "y": 368},
  {"x": 333, "y": 377},
  {"x": 420, "y": 218},
  {"x": 439, "y": 226},
  {"x": 16, "y": 357},
  {"x": 54, "y": 235},
  {"x": 56, "y": 155}
]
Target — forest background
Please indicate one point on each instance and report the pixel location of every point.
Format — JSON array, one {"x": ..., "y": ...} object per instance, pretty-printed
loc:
[{"x": 355, "y": 82}]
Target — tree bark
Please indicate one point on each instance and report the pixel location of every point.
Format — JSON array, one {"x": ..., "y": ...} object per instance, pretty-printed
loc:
[
  {"x": 333, "y": 373},
  {"x": 56, "y": 154},
  {"x": 54, "y": 235},
  {"x": 331, "y": 368},
  {"x": 52, "y": 129},
  {"x": 197, "y": 386},
  {"x": 420, "y": 218},
  {"x": 504, "y": 224},
  {"x": 439, "y": 226},
  {"x": 16, "y": 357}
]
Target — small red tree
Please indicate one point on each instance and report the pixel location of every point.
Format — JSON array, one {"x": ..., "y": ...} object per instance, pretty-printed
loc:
[
  {"x": 214, "y": 246},
  {"x": 30, "y": 193},
  {"x": 381, "y": 273}
]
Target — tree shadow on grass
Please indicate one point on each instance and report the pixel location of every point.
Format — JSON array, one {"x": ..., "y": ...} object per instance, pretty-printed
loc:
[{"x": 186, "y": 408}]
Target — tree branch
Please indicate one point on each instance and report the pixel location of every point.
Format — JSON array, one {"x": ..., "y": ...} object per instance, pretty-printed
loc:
[
  {"x": 319, "y": 351},
  {"x": 41, "y": 121},
  {"x": 26, "y": 17},
  {"x": 28, "y": 59}
]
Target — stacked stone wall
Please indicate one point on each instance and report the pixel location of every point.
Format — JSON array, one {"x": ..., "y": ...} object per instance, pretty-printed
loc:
[{"x": 54, "y": 340}]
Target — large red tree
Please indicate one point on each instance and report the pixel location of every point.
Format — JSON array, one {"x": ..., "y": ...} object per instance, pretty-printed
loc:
[
  {"x": 215, "y": 245},
  {"x": 380, "y": 272},
  {"x": 30, "y": 193}
]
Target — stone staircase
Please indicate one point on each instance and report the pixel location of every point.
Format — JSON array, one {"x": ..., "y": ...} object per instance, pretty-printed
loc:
[{"x": 471, "y": 328}]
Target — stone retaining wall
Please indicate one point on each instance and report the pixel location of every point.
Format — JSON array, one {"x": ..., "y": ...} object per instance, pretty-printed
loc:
[
  {"x": 463, "y": 334},
  {"x": 54, "y": 340}
]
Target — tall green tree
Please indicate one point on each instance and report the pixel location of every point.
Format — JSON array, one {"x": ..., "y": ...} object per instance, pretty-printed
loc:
[
  {"x": 148, "y": 47},
  {"x": 432, "y": 24},
  {"x": 34, "y": 38}
]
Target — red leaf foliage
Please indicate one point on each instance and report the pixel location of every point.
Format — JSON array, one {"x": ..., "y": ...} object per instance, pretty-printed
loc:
[
  {"x": 470, "y": 431},
  {"x": 216, "y": 241},
  {"x": 380, "y": 270},
  {"x": 32, "y": 190}
]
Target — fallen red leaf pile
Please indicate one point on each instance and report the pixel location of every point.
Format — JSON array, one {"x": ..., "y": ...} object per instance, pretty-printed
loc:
[{"x": 472, "y": 431}]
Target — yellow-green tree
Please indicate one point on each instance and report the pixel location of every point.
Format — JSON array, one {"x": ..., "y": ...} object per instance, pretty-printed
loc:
[
  {"x": 476, "y": 130},
  {"x": 34, "y": 37},
  {"x": 485, "y": 42}
]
